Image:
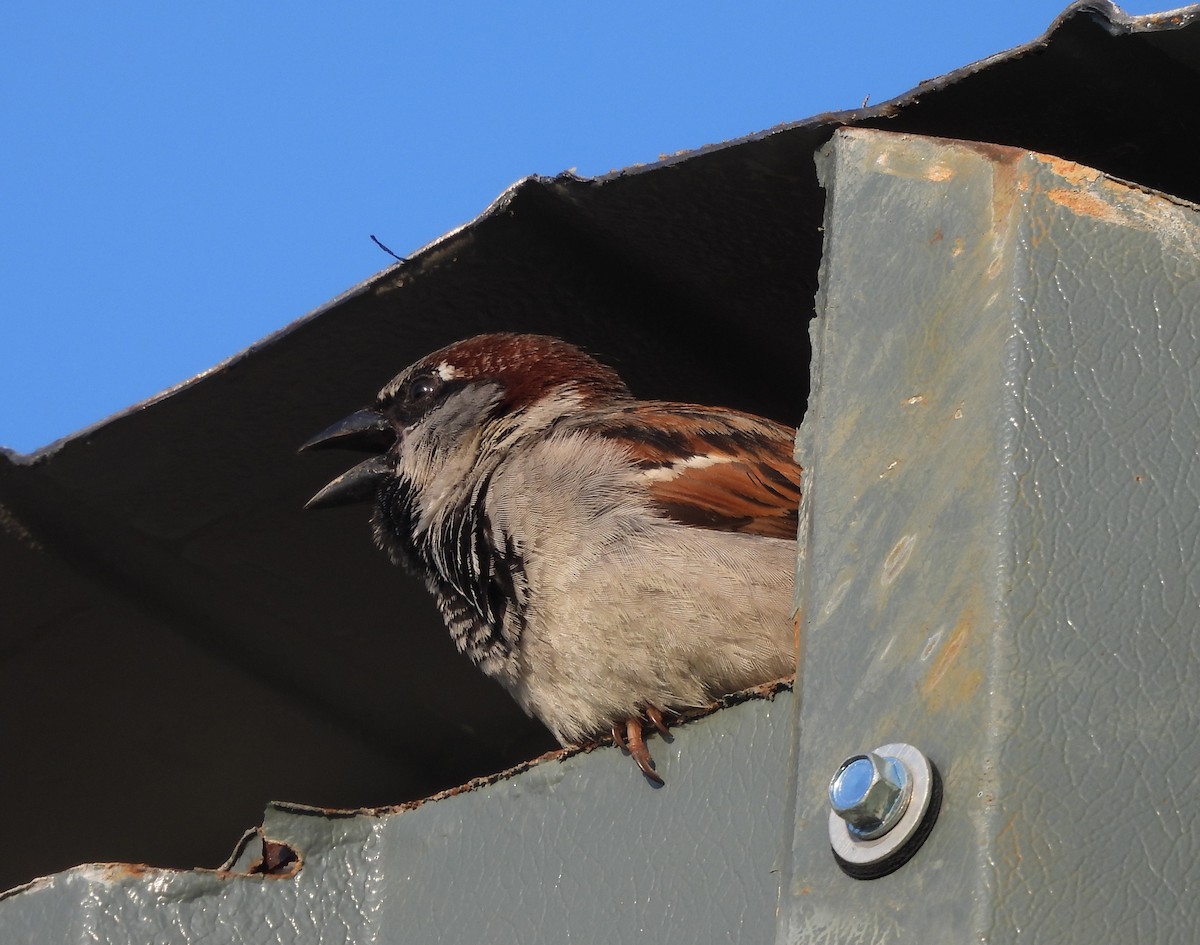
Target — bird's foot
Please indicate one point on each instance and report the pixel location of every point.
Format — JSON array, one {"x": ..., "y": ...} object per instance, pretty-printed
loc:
[{"x": 627, "y": 734}]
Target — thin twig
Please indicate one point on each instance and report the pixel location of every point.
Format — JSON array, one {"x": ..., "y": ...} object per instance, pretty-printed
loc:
[{"x": 386, "y": 250}]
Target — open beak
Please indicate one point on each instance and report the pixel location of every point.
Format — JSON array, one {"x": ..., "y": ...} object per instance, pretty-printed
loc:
[
  {"x": 354, "y": 485},
  {"x": 362, "y": 430}
]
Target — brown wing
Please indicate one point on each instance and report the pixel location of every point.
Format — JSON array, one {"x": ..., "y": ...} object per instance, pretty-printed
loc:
[{"x": 713, "y": 468}]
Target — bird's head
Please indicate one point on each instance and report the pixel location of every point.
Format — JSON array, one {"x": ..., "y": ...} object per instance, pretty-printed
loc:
[{"x": 435, "y": 421}]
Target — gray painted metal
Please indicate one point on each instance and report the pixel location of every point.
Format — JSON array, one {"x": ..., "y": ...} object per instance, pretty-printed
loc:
[
  {"x": 578, "y": 850},
  {"x": 1003, "y": 517}
]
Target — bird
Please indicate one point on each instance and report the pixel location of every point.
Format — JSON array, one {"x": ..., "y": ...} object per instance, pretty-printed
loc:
[{"x": 605, "y": 559}]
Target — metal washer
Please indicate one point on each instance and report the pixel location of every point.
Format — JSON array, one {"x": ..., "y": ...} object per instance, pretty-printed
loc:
[{"x": 868, "y": 859}]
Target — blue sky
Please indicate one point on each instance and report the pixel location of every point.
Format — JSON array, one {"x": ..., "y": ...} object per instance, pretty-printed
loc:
[{"x": 179, "y": 180}]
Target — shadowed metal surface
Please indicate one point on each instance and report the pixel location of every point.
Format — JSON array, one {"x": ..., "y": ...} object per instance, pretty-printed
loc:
[
  {"x": 179, "y": 644},
  {"x": 574, "y": 850}
]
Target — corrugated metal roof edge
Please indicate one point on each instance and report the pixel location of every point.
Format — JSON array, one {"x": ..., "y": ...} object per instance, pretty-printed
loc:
[{"x": 1107, "y": 14}]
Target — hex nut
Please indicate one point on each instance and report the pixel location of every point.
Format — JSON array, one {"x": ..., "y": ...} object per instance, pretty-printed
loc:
[{"x": 870, "y": 793}]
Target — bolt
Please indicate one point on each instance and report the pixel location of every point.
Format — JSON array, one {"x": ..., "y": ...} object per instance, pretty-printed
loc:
[{"x": 870, "y": 793}]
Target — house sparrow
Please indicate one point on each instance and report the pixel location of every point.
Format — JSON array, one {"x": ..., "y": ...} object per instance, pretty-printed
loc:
[{"x": 606, "y": 559}]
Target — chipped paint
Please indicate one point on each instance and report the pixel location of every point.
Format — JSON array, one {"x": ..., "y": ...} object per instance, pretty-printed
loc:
[
  {"x": 278, "y": 860},
  {"x": 910, "y": 164},
  {"x": 952, "y": 680},
  {"x": 939, "y": 172},
  {"x": 896, "y": 559},
  {"x": 1089, "y": 194},
  {"x": 837, "y": 595},
  {"x": 1085, "y": 204},
  {"x": 931, "y": 644}
]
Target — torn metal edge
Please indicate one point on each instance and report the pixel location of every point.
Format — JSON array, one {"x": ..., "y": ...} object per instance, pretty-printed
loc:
[
  {"x": 281, "y": 860},
  {"x": 763, "y": 692}
]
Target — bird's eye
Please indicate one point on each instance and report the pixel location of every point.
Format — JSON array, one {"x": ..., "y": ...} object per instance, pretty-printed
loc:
[{"x": 421, "y": 389}]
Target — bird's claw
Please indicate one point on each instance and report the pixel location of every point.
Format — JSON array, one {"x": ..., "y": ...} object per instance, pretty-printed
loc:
[
  {"x": 633, "y": 740},
  {"x": 655, "y": 716}
]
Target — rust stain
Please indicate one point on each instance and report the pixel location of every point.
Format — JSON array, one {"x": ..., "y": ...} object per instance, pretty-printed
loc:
[
  {"x": 1039, "y": 229},
  {"x": 1073, "y": 173},
  {"x": 279, "y": 861},
  {"x": 1089, "y": 194},
  {"x": 937, "y": 237},
  {"x": 115, "y": 872},
  {"x": 960, "y": 682},
  {"x": 996, "y": 153},
  {"x": 1008, "y": 839},
  {"x": 1083, "y": 203},
  {"x": 1010, "y": 185}
]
